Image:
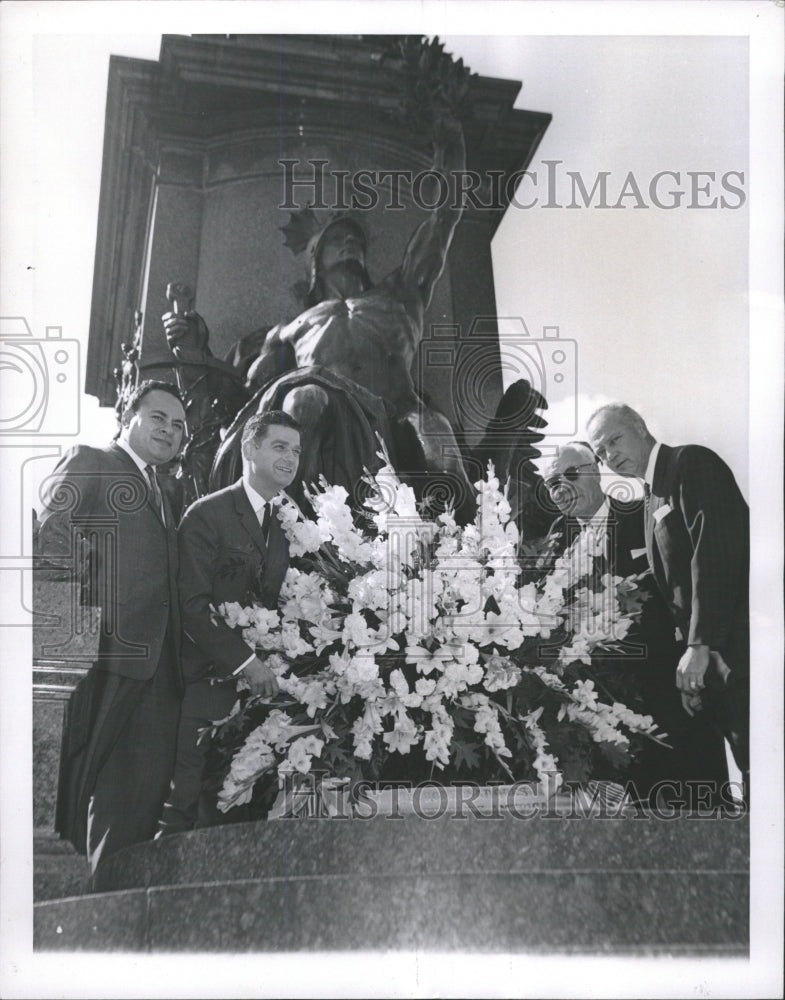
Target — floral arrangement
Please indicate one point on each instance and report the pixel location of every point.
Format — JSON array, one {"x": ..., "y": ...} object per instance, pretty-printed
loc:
[{"x": 411, "y": 646}]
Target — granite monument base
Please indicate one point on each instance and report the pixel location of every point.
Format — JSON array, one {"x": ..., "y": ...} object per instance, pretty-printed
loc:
[{"x": 544, "y": 884}]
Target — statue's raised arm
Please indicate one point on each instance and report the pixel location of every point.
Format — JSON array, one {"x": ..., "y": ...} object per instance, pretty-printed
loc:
[
  {"x": 343, "y": 368},
  {"x": 426, "y": 253}
]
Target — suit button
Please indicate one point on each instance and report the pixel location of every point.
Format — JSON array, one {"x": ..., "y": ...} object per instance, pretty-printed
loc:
[{"x": 166, "y": 604}]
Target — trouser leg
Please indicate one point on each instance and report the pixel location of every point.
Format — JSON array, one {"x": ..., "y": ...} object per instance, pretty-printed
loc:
[
  {"x": 181, "y": 809},
  {"x": 131, "y": 785}
]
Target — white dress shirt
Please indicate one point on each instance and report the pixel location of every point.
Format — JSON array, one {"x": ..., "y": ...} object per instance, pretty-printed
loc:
[
  {"x": 142, "y": 466},
  {"x": 648, "y": 476},
  {"x": 596, "y": 526}
]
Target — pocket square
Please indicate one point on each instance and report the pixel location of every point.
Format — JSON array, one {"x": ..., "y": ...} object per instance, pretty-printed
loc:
[
  {"x": 661, "y": 512},
  {"x": 637, "y": 553}
]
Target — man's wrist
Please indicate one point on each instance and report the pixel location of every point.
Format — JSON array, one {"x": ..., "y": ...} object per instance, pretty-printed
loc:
[{"x": 244, "y": 664}]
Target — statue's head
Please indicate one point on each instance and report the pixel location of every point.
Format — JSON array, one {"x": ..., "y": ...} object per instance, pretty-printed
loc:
[
  {"x": 340, "y": 240},
  {"x": 334, "y": 248},
  {"x": 337, "y": 255}
]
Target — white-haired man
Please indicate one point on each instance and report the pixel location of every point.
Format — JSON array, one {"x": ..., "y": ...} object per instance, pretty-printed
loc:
[
  {"x": 697, "y": 543},
  {"x": 643, "y": 674}
]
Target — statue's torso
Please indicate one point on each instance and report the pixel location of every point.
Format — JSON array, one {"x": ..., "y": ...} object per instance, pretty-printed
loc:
[{"x": 370, "y": 339}]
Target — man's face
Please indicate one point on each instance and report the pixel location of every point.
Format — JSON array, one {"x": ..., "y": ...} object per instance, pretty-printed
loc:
[
  {"x": 573, "y": 482},
  {"x": 620, "y": 443},
  {"x": 272, "y": 462},
  {"x": 340, "y": 245},
  {"x": 155, "y": 430}
]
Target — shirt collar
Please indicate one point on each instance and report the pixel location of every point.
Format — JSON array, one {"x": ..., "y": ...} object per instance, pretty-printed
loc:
[
  {"x": 256, "y": 499},
  {"x": 140, "y": 463},
  {"x": 648, "y": 476}
]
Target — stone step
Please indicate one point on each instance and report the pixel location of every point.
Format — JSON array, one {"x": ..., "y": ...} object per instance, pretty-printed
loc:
[
  {"x": 627, "y": 886},
  {"x": 539, "y": 912},
  {"x": 58, "y": 870}
]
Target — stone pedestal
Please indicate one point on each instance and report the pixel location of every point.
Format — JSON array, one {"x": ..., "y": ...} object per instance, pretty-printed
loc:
[
  {"x": 453, "y": 883},
  {"x": 65, "y": 645}
]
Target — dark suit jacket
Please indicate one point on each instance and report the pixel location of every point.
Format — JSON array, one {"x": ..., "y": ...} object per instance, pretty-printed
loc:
[
  {"x": 101, "y": 526},
  {"x": 699, "y": 549},
  {"x": 651, "y": 641},
  {"x": 625, "y": 533},
  {"x": 224, "y": 558}
]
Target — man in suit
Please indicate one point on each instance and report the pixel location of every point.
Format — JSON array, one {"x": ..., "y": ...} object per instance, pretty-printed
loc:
[
  {"x": 107, "y": 524},
  {"x": 697, "y": 543},
  {"x": 232, "y": 549},
  {"x": 641, "y": 674}
]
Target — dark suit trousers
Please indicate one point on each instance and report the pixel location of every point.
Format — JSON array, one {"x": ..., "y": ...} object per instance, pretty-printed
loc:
[
  {"x": 729, "y": 704},
  {"x": 191, "y": 803},
  {"x": 112, "y": 786}
]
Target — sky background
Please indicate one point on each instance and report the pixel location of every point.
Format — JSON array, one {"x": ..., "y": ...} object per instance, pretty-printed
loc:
[
  {"x": 667, "y": 309},
  {"x": 654, "y": 301}
]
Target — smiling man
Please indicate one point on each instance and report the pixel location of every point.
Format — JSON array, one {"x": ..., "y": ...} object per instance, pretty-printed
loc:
[
  {"x": 232, "y": 549},
  {"x": 697, "y": 542},
  {"x": 108, "y": 526}
]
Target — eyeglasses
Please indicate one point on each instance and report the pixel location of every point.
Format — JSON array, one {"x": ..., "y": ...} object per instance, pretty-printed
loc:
[{"x": 570, "y": 475}]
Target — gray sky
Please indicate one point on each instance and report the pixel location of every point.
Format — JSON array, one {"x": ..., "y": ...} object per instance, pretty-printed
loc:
[{"x": 652, "y": 302}]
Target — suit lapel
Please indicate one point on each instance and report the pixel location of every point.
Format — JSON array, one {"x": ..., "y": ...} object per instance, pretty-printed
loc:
[
  {"x": 247, "y": 515},
  {"x": 660, "y": 493},
  {"x": 274, "y": 552},
  {"x": 128, "y": 463}
]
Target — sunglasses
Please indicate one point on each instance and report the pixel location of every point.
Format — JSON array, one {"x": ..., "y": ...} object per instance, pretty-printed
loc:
[{"x": 569, "y": 475}]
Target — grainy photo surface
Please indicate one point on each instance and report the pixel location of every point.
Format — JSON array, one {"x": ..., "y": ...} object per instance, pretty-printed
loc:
[{"x": 390, "y": 427}]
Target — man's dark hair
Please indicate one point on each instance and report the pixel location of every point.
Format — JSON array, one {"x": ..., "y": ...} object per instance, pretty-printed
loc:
[
  {"x": 257, "y": 427},
  {"x": 141, "y": 390}
]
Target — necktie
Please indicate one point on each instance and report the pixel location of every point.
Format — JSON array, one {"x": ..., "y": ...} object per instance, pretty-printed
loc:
[
  {"x": 266, "y": 520},
  {"x": 646, "y": 505},
  {"x": 155, "y": 489}
]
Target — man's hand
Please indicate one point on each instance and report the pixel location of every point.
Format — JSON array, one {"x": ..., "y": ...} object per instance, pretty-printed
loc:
[
  {"x": 691, "y": 703},
  {"x": 261, "y": 678},
  {"x": 689, "y": 673}
]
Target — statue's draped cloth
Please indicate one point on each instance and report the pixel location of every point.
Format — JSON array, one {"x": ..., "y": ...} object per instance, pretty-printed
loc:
[{"x": 348, "y": 441}]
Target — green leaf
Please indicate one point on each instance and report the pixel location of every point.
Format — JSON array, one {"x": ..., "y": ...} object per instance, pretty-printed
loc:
[
  {"x": 617, "y": 756},
  {"x": 466, "y": 756}
]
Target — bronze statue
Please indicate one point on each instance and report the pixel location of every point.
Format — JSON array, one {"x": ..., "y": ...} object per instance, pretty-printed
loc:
[
  {"x": 127, "y": 375},
  {"x": 343, "y": 367},
  {"x": 211, "y": 389}
]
